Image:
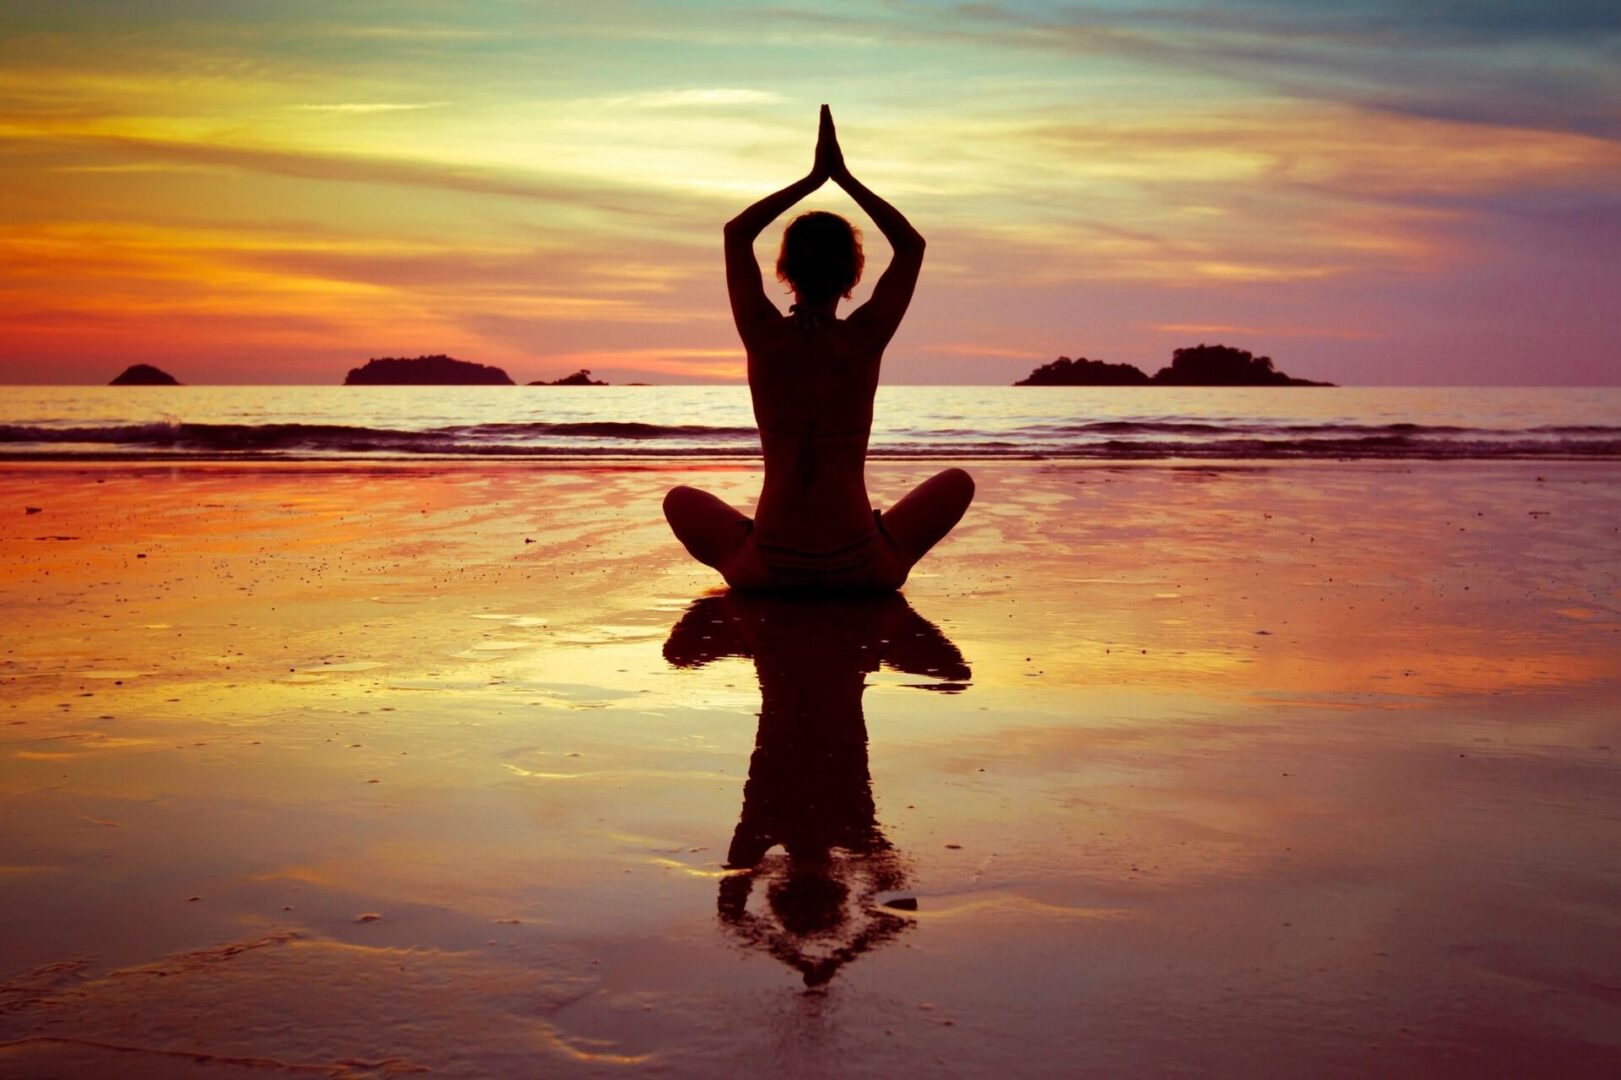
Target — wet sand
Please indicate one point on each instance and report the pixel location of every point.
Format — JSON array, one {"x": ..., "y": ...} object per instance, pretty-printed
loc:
[{"x": 1156, "y": 770}]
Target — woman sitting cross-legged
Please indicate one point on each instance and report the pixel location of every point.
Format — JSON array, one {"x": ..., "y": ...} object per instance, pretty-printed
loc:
[{"x": 813, "y": 376}]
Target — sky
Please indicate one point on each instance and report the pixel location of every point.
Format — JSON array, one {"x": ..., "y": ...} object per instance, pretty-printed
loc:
[{"x": 1374, "y": 192}]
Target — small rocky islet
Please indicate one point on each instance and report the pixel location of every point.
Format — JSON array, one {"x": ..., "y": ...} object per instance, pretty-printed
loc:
[
  {"x": 144, "y": 375},
  {"x": 579, "y": 378},
  {"x": 438, "y": 370},
  {"x": 441, "y": 370},
  {"x": 1196, "y": 365}
]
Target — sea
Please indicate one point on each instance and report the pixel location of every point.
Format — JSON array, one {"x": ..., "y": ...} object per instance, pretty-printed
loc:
[{"x": 299, "y": 423}]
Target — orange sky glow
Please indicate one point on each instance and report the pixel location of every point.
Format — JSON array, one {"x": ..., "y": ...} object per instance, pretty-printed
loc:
[{"x": 272, "y": 194}]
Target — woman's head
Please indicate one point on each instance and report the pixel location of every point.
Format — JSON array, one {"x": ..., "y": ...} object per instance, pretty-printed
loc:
[{"x": 821, "y": 257}]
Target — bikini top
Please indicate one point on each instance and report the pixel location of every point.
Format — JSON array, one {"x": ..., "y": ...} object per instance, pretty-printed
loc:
[{"x": 807, "y": 321}]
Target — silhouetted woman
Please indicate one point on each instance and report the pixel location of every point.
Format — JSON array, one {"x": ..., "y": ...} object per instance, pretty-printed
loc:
[{"x": 812, "y": 376}]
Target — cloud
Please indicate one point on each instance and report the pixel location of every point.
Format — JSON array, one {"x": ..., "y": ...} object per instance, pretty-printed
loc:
[
  {"x": 593, "y": 194},
  {"x": 1270, "y": 331},
  {"x": 464, "y": 265},
  {"x": 411, "y": 33},
  {"x": 978, "y": 350},
  {"x": 373, "y": 106},
  {"x": 1475, "y": 21},
  {"x": 129, "y": 167},
  {"x": 1330, "y": 149},
  {"x": 695, "y": 98},
  {"x": 1503, "y": 62}
]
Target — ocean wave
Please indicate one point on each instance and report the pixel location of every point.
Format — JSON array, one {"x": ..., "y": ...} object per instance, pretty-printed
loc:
[
  {"x": 1113, "y": 439},
  {"x": 175, "y": 434},
  {"x": 604, "y": 429},
  {"x": 1252, "y": 427},
  {"x": 1381, "y": 447},
  {"x": 339, "y": 437}
]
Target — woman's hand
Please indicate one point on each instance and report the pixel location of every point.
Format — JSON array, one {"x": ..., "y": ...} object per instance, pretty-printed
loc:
[{"x": 829, "y": 158}]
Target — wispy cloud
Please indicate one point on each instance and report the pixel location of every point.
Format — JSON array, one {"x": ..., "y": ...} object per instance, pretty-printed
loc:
[
  {"x": 981, "y": 349},
  {"x": 694, "y": 98},
  {"x": 1270, "y": 331},
  {"x": 319, "y": 165},
  {"x": 413, "y": 33},
  {"x": 1499, "y": 62},
  {"x": 373, "y": 106}
]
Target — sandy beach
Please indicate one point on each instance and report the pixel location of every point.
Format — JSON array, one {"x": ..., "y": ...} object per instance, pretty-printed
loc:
[{"x": 1158, "y": 770}]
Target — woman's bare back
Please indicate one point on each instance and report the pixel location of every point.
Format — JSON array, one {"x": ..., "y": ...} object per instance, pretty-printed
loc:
[{"x": 813, "y": 382}]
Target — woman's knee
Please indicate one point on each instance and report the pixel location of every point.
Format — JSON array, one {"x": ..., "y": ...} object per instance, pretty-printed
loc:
[
  {"x": 950, "y": 491},
  {"x": 707, "y": 527},
  {"x": 959, "y": 483},
  {"x": 676, "y": 499}
]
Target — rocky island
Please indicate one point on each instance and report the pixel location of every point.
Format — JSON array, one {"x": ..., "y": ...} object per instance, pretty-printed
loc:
[
  {"x": 1198, "y": 365},
  {"x": 579, "y": 378},
  {"x": 144, "y": 375},
  {"x": 1084, "y": 372},
  {"x": 425, "y": 371}
]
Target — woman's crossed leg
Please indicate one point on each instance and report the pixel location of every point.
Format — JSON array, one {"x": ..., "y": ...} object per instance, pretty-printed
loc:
[
  {"x": 717, "y": 534},
  {"x": 712, "y": 531},
  {"x": 928, "y": 512}
]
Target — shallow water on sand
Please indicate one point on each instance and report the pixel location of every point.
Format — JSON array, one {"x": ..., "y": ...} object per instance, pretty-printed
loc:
[{"x": 1152, "y": 771}]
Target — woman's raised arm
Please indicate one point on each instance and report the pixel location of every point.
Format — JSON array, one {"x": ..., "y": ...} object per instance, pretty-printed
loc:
[
  {"x": 882, "y": 314},
  {"x": 750, "y": 305}
]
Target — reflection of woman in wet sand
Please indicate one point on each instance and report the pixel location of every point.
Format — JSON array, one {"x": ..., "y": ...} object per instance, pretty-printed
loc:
[
  {"x": 813, "y": 376},
  {"x": 809, "y": 789}
]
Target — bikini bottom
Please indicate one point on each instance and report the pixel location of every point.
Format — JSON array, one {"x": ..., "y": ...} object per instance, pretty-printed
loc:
[{"x": 870, "y": 563}]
